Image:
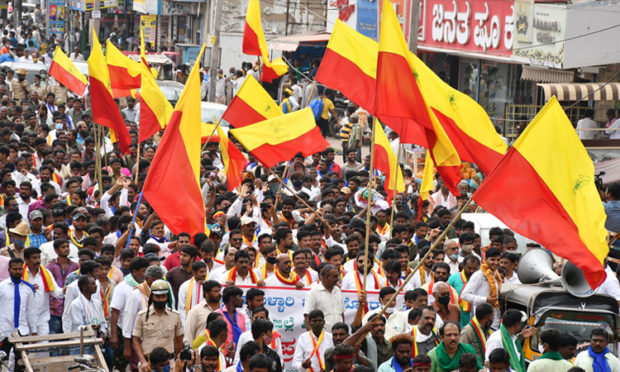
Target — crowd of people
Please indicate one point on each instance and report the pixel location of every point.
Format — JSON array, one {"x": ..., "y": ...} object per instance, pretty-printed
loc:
[{"x": 79, "y": 248}]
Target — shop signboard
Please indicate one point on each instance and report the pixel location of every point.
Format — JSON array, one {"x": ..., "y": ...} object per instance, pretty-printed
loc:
[
  {"x": 169, "y": 8},
  {"x": 547, "y": 26},
  {"x": 148, "y": 24},
  {"x": 346, "y": 11},
  {"x": 403, "y": 12},
  {"x": 476, "y": 26},
  {"x": 367, "y": 14},
  {"x": 56, "y": 16},
  {"x": 147, "y": 6}
]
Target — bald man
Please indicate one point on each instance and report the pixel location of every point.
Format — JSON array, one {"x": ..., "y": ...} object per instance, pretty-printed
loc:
[
  {"x": 283, "y": 276},
  {"x": 448, "y": 311}
]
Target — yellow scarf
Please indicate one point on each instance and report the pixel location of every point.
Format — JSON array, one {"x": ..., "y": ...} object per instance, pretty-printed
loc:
[
  {"x": 492, "y": 277},
  {"x": 190, "y": 293}
]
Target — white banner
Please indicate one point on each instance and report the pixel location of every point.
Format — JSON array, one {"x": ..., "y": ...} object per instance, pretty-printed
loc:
[{"x": 286, "y": 311}]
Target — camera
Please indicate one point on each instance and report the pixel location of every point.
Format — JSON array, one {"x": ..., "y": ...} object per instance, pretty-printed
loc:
[{"x": 186, "y": 353}]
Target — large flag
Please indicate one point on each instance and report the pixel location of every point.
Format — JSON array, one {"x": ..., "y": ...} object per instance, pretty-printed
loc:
[
  {"x": 254, "y": 44},
  {"x": 124, "y": 71},
  {"x": 402, "y": 106},
  {"x": 350, "y": 65},
  {"x": 280, "y": 138},
  {"x": 175, "y": 170},
  {"x": 104, "y": 109},
  {"x": 63, "y": 70},
  {"x": 386, "y": 162},
  {"x": 233, "y": 160},
  {"x": 250, "y": 105},
  {"x": 554, "y": 200},
  {"x": 465, "y": 122},
  {"x": 155, "y": 110}
]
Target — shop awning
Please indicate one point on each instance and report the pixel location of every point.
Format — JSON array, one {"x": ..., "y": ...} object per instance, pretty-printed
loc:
[
  {"x": 579, "y": 91},
  {"x": 292, "y": 42},
  {"x": 545, "y": 75}
]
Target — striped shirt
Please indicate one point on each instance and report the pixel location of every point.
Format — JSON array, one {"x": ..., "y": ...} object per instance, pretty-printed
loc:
[{"x": 345, "y": 131}]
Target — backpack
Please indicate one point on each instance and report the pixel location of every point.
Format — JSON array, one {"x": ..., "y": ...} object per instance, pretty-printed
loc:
[{"x": 317, "y": 107}]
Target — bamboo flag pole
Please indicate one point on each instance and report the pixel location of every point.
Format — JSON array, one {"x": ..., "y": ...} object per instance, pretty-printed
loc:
[
  {"x": 370, "y": 199},
  {"x": 138, "y": 163},
  {"x": 217, "y": 124},
  {"x": 400, "y": 146},
  {"x": 422, "y": 259}
]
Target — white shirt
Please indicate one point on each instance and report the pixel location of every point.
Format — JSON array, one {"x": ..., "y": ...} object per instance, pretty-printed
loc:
[
  {"x": 495, "y": 342},
  {"x": 223, "y": 276},
  {"x": 476, "y": 292},
  {"x": 273, "y": 281},
  {"x": 119, "y": 300},
  {"x": 397, "y": 323},
  {"x": 454, "y": 266},
  {"x": 613, "y": 134},
  {"x": 23, "y": 207},
  {"x": 348, "y": 282},
  {"x": 304, "y": 347},
  {"x": 514, "y": 279},
  {"x": 197, "y": 296},
  {"x": 130, "y": 113},
  {"x": 587, "y": 123},
  {"x": 27, "y": 311},
  {"x": 136, "y": 302},
  {"x": 42, "y": 298},
  {"x": 610, "y": 286},
  {"x": 71, "y": 293},
  {"x": 84, "y": 312},
  {"x": 417, "y": 282},
  {"x": 584, "y": 360},
  {"x": 330, "y": 303},
  {"x": 48, "y": 252}
]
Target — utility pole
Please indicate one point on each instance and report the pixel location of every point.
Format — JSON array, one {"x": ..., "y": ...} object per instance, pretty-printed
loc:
[
  {"x": 215, "y": 49},
  {"x": 96, "y": 11},
  {"x": 414, "y": 25}
]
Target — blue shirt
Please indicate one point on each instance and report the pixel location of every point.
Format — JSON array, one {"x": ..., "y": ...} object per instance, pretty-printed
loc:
[
  {"x": 612, "y": 209},
  {"x": 37, "y": 239}
]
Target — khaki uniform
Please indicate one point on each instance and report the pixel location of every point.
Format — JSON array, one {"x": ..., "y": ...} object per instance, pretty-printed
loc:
[
  {"x": 196, "y": 322},
  {"x": 60, "y": 93},
  {"x": 20, "y": 89},
  {"x": 158, "y": 330},
  {"x": 11, "y": 251},
  {"x": 40, "y": 90}
]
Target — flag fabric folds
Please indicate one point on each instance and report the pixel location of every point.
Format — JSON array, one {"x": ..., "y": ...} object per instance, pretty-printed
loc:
[
  {"x": 464, "y": 121},
  {"x": 427, "y": 183},
  {"x": 279, "y": 139},
  {"x": 407, "y": 112},
  {"x": 254, "y": 44},
  {"x": 104, "y": 109},
  {"x": 63, "y": 70},
  {"x": 233, "y": 160},
  {"x": 175, "y": 169},
  {"x": 250, "y": 105},
  {"x": 155, "y": 110},
  {"x": 350, "y": 65},
  {"x": 386, "y": 162},
  {"x": 124, "y": 71},
  {"x": 555, "y": 201}
]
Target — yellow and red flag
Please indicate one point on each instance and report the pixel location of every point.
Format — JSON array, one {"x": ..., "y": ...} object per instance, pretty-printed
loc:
[
  {"x": 233, "y": 160},
  {"x": 155, "y": 110},
  {"x": 176, "y": 167},
  {"x": 254, "y": 44},
  {"x": 104, "y": 109},
  {"x": 401, "y": 105},
  {"x": 464, "y": 121},
  {"x": 124, "y": 71},
  {"x": 250, "y": 105},
  {"x": 63, "y": 70},
  {"x": 350, "y": 66},
  {"x": 279, "y": 139},
  {"x": 386, "y": 162},
  {"x": 555, "y": 201}
]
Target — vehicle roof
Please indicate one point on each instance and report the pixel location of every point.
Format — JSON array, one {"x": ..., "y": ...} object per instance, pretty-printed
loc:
[{"x": 535, "y": 298}]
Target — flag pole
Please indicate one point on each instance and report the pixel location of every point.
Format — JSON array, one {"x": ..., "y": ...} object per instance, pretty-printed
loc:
[
  {"x": 217, "y": 124},
  {"x": 295, "y": 194},
  {"x": 421, "y": 262},
  {"x": 98, "y": 160},
  {"x": 137, "y": 163},
  {"x": 370, "y": 200},
  {"x": 400, "y": 146},
  {"x": 284, "y": 174},
  {"x": 422, "y": 259}
]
